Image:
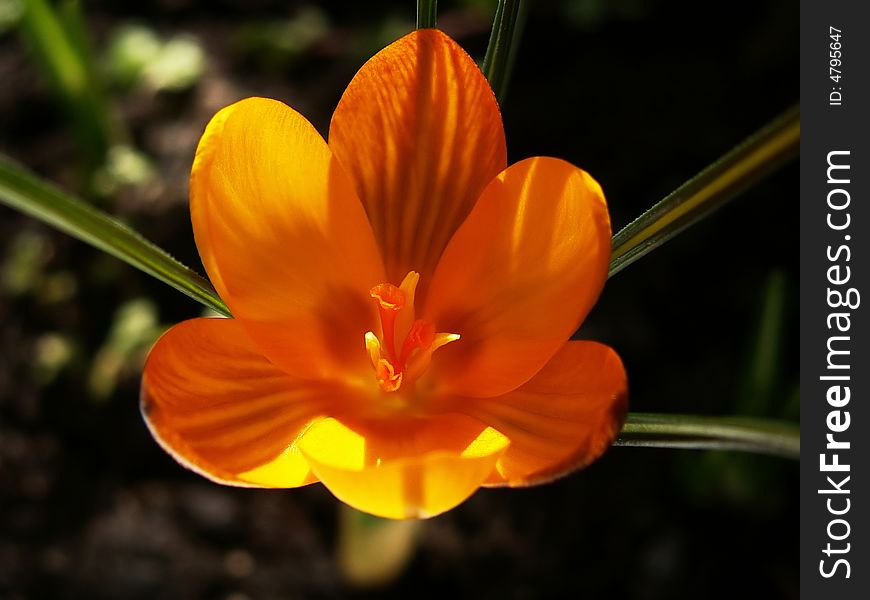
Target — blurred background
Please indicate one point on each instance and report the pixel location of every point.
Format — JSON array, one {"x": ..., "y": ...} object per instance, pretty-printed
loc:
[{"x": 108, "y": 99}]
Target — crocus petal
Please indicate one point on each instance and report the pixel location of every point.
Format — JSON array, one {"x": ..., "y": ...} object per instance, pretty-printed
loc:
[
  {"x": 419, "y": 131},
  {"x": 284, "y": 237},
  {"x": 220, "y": 408},
  {"x": 402, "y": 468},
  {"x": 518, "y": 277},
  {"x": 564, "y": 418}
]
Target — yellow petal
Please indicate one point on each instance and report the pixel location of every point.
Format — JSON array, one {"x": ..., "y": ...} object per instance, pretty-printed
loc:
[
  {"x": 419, "y": 132},
  {"x": 518, "y": 277},
  {"x": 402, "y": 468},
  {"x": 284, "y": 237},
  {"x": 214, "y": 402},
  {"x": 564, "y": 418}
]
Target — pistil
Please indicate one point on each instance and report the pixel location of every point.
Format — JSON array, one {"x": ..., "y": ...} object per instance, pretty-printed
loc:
[
  {"x": 416, "y": 340},
  {"x": 390, "y": 300}
]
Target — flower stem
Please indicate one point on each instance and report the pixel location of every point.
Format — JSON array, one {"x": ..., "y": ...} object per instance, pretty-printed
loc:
[
  {"x": 427, "y": 12},
  {"x": 754, "y": 158},
  {"x": 372, "y": 552},
  {"x": 25, "y": 192},
  {"x": 501, "y": 51},
  {"x": 761, "y": 436}
]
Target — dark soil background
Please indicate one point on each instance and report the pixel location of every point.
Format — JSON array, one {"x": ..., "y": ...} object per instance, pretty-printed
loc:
[{"x": 641, "y": 93}]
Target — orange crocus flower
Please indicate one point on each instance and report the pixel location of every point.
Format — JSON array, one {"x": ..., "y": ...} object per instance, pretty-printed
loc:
[{"x": 402, "y": 299}]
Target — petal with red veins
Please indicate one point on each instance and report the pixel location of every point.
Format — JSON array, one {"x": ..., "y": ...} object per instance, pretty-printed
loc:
[
  {"x": 215, "y": 403},
  {"x": 561, "y": 420},
  {"x": 420, "y": 133},
  {"x": 518, "y": 277},
  {"x": 284, "y": 237}
]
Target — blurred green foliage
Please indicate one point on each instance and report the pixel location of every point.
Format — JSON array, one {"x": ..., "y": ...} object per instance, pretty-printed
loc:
[
  {"x": 10, "y": 14},
  {"x": 59, "y": 43},
  {"x": 762, "y": 389},
  {"x": 588, "y": 15},
  {"x": 372, "y": 39},
  {"x": 24, "y": 271},
  {"x": 278, "y": 44},
  {"x": 134, "y": 329},
  {"x": 25, "y": 260},
  {"x": 53, "y": 352},
  {"x": 124, "y": 166},
  {"x": 137, "y": 56}
]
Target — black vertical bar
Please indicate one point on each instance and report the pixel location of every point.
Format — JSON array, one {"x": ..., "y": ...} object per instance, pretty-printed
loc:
[{"x": 835, "y": 361}]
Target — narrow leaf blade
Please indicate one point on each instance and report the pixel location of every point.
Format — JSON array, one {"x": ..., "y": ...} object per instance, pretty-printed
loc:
[
  {"x": 754, "y": 158},
  {"x": 26, "y": 193}
]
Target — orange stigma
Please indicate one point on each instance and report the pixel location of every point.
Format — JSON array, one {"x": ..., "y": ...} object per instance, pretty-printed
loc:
[{"x": 415, "y": 340}]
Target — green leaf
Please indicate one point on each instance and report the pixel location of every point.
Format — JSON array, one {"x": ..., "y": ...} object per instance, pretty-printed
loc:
[
  {"x": 762, "y": 436},
  {"x": 427, "y": 13},
  {"x": 503, "y": 40},
  {"x": 25, "y": 192},
  {"x": 754, "y": 158}
]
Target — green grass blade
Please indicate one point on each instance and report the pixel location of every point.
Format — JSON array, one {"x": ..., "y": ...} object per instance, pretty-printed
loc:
[
  {"x": 760, "y": 389},
  {"x": 503, "y": 40},
  {"x": 754, "y": 158},
  {"x": 761, "y": 436},
  {"x": 25, "y": 192},
  {"x": 57, "y": 40},
  {"x": 427, "y": 13}
]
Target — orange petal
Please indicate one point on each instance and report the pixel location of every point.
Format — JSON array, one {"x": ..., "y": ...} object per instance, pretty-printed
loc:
[
  {"x": 284, "y": 237},
  {"x": 519, "y": 276},
  {"x": 214, "y": 402},
  {"x": 402, "y": 468},
  {"x": 419, "y": 132},
  {"x": 564, "y": 418}
]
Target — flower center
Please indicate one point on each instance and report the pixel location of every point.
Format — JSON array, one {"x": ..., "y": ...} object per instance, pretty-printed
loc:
[{"x": 405, "y": 348}]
